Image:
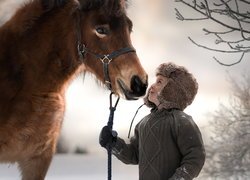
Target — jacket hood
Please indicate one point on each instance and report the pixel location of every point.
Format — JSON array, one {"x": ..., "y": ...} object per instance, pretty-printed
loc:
[{"x": 180, "y": 90}]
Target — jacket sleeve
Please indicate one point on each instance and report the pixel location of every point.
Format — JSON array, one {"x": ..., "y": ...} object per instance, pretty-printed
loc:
[
  {"x": 127, "y": 153},
  {"x": 190, "y": 144}
]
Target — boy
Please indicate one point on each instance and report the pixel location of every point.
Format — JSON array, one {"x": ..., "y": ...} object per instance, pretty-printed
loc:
[{"x": 167, "y": 144}]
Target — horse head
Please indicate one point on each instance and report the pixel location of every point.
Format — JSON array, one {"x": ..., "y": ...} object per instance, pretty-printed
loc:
[{"x": 105, "y": 47}]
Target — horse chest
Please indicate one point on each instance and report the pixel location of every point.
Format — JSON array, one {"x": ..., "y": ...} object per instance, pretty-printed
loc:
[
  {"x": 33, "y": 127},
  {"x": 44, "y": 119}
]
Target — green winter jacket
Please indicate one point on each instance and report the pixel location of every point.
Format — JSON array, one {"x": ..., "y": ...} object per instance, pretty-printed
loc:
[{"x": 167, "y": 144}]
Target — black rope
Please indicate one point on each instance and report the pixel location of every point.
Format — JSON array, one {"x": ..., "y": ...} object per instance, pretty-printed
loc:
[
  {"x": 110, "y": 126},
  {"x": 134, "y": 119}
]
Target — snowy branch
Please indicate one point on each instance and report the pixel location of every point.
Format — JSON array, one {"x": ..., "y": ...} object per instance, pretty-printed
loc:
[{"x": 232, "y": 16}]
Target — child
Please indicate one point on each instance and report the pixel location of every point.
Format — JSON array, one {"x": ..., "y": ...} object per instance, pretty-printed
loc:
[{"x": 167, "y": 144}]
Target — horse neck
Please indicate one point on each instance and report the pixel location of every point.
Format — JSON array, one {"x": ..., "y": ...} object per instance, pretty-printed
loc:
[{"x": 42, "y": 58}]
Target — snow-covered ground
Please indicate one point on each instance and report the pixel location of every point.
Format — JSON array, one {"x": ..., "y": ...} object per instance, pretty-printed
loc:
[{"x": 78, "y": 167}]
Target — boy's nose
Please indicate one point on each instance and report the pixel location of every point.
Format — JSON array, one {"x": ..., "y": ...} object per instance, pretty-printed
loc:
[{"x": 152, "y": 86}]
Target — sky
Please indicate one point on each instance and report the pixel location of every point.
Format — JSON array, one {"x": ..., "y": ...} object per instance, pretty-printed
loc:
[{"x": 158, "y": 38}]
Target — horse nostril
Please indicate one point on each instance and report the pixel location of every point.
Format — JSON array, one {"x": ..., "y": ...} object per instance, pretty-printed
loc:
[{"x": 137, "y": 86}]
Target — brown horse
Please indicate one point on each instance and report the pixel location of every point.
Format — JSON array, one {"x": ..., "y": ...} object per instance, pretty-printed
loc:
[{"x": 42, "y": 48}]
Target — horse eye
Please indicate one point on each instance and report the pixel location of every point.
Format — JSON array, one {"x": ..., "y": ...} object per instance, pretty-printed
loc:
[{"x": 102, "y": 30}]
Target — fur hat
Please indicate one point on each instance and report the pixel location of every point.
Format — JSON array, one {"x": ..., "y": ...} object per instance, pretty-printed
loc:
[{"x": 180, "y": 89}]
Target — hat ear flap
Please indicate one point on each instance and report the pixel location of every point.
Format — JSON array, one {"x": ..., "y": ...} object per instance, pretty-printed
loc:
[{"x": 172, "y": 93}]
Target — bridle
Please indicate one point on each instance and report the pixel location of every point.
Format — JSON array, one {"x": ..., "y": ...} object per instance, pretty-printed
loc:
[{"x": 104, "y": 58}]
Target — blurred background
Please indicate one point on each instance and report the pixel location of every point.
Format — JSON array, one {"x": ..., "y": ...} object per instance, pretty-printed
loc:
[{"x": 158, "y": 37}]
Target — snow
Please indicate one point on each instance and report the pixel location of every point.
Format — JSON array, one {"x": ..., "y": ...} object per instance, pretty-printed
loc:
[{"x": 78, "y": 167}]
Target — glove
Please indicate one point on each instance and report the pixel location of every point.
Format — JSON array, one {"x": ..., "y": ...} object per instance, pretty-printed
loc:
[
  {"x": 107, "y": 137},
  {"x": 181, "y": 174}
]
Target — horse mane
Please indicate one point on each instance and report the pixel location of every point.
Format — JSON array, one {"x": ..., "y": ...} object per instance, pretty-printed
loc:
[
  {"x": 52, "y": 4},
  {"x": 113, "y": 8},
  {"x": 13, "y": 34},
  {"x": 33, "y": 10}
]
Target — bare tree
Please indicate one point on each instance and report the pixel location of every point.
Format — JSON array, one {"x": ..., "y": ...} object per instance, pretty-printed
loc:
[
  {"x": 228, "y": 154},
  {"x": 232, "y": 15}
]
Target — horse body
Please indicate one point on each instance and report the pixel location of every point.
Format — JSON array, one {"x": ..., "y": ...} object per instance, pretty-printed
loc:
[{"x": 38, "y": 60}]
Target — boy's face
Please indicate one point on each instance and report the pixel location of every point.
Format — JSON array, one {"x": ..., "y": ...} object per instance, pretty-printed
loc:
[{"x": 156, "y": 88}]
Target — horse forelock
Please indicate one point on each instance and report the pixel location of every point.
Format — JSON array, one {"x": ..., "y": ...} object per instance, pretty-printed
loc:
[
  {"x": 51, "y": 4},
  {"x": 114, "y": 8}
]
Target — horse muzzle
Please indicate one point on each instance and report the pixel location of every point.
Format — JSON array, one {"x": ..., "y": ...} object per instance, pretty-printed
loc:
[{"x": 136, "y": 90}]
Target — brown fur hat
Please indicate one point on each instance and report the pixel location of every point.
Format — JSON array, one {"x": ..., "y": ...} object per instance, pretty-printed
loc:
[{"x": 180, "y": 89}]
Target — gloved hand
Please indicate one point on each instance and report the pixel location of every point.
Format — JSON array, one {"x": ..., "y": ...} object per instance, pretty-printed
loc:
[
  {"x": 181, "y": 174},
  {"x": 107, "y": 136}
]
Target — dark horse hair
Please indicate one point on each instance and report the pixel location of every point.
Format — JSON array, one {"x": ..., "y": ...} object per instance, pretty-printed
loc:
[
  {"x": 111, "y": 8},
  {"x": 43, "y": 47},
  {"x": 51, "y": 4},
  {"x": 86, "y": 5}
]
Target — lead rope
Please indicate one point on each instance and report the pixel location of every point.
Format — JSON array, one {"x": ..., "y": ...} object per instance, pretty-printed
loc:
[
  {"x": 110, "y": 126},
  {"x": 134, "y": 119}
]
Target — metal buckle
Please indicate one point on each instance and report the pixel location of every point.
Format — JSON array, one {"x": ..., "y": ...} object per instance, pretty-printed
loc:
[
  {"x": 105, "y": 59},
  {"x": 81, "y": 50}
]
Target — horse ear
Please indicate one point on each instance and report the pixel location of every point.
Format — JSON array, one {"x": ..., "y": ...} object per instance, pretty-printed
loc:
[{"x": 51, "y": 4}]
